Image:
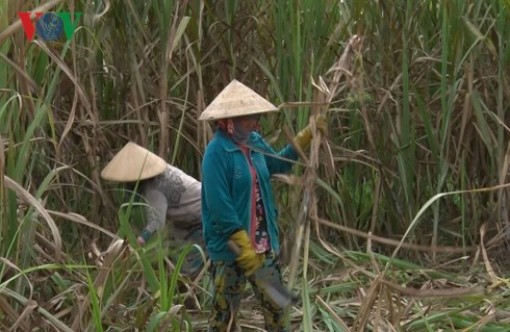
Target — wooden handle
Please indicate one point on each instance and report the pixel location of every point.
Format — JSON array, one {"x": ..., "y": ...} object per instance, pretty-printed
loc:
[
  {"x": 234, "y": 247},
  {"x": 273, "y": 288}
]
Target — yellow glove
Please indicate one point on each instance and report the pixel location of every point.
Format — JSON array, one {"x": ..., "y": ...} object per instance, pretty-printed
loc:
[
  {"x": 304, "y": 137},
  {"x": 247, "y": 258}
]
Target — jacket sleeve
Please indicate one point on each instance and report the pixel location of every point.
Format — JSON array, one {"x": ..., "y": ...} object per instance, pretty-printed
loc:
[
  {"x": 277, "y": 162},
  {"x": 155, "y": 211},
  {"x": 217, "y": 202}
]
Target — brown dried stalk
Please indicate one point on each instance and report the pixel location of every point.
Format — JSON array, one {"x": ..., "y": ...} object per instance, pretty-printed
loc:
[{"x": 322, "y": 99}]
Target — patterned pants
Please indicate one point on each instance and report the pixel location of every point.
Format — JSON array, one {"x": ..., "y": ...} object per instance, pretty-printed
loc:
[{"x": 229, "y": 284}]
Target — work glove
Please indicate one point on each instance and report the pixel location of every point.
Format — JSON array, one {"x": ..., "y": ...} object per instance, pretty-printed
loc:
[
  {"x": 247, "y": 258},
  {"x": 304, "y": 137}
]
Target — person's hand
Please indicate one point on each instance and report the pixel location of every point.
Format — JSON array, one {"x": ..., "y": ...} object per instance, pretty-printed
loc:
[
  {"x": 144, "y": 237},
  {"x": 140, "y": 241},
  {"x": 304, "y": 137},
  {"x": 247, "y": 258}
]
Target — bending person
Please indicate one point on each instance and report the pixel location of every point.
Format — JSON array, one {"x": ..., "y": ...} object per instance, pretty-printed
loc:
[{"x": 170, "y": 195}]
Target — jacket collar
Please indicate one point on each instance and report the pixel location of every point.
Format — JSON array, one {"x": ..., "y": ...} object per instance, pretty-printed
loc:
[{"x": 228, "y": 144}]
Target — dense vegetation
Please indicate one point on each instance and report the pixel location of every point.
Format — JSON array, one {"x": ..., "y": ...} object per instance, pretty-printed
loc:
[{"x": 397, "y": 220}]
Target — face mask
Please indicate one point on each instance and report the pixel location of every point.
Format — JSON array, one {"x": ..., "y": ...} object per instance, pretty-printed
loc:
[{"x": 240, "y": 134}]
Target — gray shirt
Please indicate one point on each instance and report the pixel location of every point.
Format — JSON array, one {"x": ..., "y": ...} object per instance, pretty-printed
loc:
[{"x": 175, "y": 195}]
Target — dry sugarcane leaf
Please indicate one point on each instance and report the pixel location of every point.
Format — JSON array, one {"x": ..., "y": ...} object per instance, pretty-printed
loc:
[
  {"x": 21, "y": 192},
  {"x": 435, "y": 293},
  {"x": 490, "y": 270},
  {"x": 30, "y": 306}
]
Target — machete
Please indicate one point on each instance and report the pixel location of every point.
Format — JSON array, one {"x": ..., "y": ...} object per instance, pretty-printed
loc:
[{"x": 272, "y": 288}]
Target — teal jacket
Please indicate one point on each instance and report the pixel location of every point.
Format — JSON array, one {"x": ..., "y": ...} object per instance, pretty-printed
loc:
[{"x": 226, "y": 190}]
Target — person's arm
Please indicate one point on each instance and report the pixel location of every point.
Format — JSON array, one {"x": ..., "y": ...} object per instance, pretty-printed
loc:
[
  {"x": 216, "y": 193},
  {"x": 155, "y": 213},
  {"x": 277, "y": 162}
]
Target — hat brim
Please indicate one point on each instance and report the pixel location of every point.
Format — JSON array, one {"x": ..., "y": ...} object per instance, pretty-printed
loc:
[
  {"x": 236, "y": 100},
  {"x": 133, "y": 163}
]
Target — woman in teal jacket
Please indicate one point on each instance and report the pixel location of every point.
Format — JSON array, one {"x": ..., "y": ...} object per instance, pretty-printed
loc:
[
  {"x": 238, "y": 203},
  {"x": 226, "y": 200}
]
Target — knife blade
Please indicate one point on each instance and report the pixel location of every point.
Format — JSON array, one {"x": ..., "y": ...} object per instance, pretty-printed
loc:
[{"x": 274, "y": 289}]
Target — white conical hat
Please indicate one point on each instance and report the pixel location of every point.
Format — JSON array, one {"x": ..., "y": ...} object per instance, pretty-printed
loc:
[
  {"x": 133, "y": 163},
  {"x": 236, "y": 99}
]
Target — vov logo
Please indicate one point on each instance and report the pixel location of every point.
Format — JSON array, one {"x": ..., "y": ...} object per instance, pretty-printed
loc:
[{"x": 50, "y": 25}]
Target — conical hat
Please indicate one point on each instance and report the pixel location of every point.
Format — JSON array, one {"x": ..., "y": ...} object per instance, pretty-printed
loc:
[
  {"x": 236, "y": 99},
  {"x": 133, "y": 163}
]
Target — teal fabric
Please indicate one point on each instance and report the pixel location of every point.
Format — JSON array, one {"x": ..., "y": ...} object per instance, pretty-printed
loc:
[
  {"x": 146, "y": 235},
  {"x": 226, "y": 190}
]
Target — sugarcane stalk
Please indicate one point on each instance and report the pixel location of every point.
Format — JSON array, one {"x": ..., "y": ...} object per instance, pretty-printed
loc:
[{"x": 322, "y": 99}]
